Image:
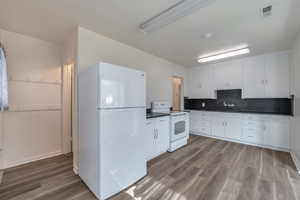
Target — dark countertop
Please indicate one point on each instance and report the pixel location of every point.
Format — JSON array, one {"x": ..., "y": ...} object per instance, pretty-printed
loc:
[
  {"x": 155, "y": 115},
  {"x": 241, "y": 111}
]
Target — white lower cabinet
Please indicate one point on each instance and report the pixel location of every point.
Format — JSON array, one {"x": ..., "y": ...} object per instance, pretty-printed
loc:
[
  {"x": 278, "y": 133},
  {"x": 254, "y": 135},
  {"x": 233, "y": 128},
  {"x": 263, "y": 130},
  {"x": 157, "y": 136},
  {"x": 200, "y": 122},
  {"x": 218, "y": 127},
  {"x": 226, "y": 126},
  {"x": 255, "y": 129}
]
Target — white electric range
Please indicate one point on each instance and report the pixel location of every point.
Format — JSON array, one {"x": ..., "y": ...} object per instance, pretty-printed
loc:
[{"x": 179, "y": 123}]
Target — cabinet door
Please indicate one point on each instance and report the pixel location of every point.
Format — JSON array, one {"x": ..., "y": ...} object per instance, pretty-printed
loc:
[
  {"x": 150, "y": 139},
  {"x": 218, "y": 128},
  {"x": 254, "y": 136},
  {"x": 162, "y": 141},
  {"x": 233, "y": 128},
  {"x": 195, "y": 120},
  {"x": 277, "y": 75},
  {"x": 228, "y": 75},
  {"x": 254, "y": 77},
  {"x": 201, "y": 83},
  {"x": 200, "y": 123},
  {"x": 279, "y": 133}
]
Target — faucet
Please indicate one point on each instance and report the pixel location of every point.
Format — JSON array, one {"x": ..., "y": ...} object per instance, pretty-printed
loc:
[{"x": 228, "y": 105}]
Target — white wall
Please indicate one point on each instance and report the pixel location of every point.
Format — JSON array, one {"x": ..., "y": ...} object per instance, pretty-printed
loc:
[
  {"x": 31, "y": 129},
  {"x": 93, "y": 48},
  {"x": 296, "y": 90}
]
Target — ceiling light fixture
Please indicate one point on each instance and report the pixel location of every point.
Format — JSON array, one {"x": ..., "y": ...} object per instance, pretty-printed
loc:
[
  {"x": 227, "y": 54},
  {"x": 173, "y": 13}
]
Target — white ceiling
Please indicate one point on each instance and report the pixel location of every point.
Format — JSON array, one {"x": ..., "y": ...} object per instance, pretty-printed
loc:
[{"x": 232, "y": 22}]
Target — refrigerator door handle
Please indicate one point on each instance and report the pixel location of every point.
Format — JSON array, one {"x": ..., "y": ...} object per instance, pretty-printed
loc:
[{"x": 121, "y": 108}]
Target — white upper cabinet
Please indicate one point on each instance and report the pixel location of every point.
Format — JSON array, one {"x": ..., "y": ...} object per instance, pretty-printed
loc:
[
  {"x": 277, "y": 75},
  {"x": 201, "y": 82},
  {"x": 228, "y": 75},
  {"x": 267, "y": 76},
  {"x": 254, "y": 77}
]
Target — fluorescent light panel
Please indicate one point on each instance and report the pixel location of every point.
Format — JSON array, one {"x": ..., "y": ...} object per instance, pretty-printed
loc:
[
  {"x": 224, "y": 55},
  {"x": 173, "y": 13}
]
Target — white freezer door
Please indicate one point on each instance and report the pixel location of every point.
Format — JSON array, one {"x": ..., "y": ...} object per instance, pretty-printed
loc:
[
  {"x": 122, "y": 149},
  {"x": 121, "y": 87}
]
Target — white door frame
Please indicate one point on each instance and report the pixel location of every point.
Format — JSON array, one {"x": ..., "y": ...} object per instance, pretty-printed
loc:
[
  {"x": 181, "y": 92},
  {"x": 68, "y": 75}
]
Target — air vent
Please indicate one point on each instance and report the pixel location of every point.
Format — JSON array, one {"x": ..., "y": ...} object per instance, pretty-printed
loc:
[{"x": 266, "y": 11}]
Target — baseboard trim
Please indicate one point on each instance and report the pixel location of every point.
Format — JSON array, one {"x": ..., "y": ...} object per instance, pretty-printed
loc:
[
  {"x": 296, "y": 161},
  {"x": 32, "y": 159},
  {"x": 240, "y": 142},
  {"x": 75, "y": 170}
]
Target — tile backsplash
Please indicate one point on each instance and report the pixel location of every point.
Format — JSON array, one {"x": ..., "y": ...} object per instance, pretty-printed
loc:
[{"x": 230, "y": 100}]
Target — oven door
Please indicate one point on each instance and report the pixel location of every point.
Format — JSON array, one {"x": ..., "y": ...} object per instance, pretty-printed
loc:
[{"x": 179, "y": 127}]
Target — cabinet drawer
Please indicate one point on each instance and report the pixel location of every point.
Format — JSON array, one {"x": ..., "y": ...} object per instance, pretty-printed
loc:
[
  {"x": 204, "y": 123},
  {"x": 149, "y": 121},
  {"x": 253, "y": 136},
  {"x": 255, "y": 125},
  {"x": 205, "y": 130},
  {"x": 258, "y": 118},
  {"x": 204, "y": 114},
  {"x": 200, "y": 114}
]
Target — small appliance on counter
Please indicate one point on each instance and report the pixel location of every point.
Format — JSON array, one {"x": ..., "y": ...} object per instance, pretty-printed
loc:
[{"x": 179, "y": 123}]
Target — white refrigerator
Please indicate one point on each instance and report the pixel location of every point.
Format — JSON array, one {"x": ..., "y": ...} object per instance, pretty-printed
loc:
[{"x": 112, "y": 118}]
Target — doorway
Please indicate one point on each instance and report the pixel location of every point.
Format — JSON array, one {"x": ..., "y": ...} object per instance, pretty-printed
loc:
[{"x": 177, "y": 83}]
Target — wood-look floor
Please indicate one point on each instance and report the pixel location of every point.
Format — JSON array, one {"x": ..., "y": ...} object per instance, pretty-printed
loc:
[{"x": 206, "y": 169}]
